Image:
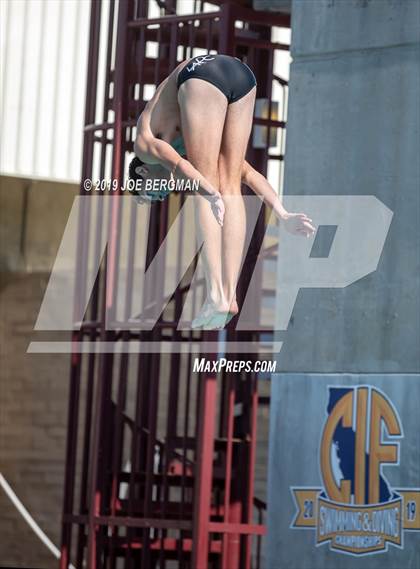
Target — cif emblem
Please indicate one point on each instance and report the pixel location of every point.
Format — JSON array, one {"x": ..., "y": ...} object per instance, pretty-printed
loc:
[{"x": 357, "y": 511}]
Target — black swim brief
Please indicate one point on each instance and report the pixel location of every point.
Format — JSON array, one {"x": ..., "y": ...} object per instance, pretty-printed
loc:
[{"x": 234, "y": 78}]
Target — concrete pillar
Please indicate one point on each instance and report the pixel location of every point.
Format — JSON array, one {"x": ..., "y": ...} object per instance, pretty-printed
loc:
[{"x": 353, "y": 129}]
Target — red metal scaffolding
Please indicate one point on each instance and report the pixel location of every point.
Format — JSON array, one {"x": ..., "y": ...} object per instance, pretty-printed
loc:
[{"x": 160, "y": 461}]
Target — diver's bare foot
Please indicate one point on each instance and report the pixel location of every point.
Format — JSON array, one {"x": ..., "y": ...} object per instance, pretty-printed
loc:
[
  {"x": 207, "y": 312},
  {"x": 234, "y": 308},
  {"x": 223, "y": 316},
  {"x": 213, "y": 316},
  {"x": 218, "y": 320},
  {"x": 203, "y": 316}
]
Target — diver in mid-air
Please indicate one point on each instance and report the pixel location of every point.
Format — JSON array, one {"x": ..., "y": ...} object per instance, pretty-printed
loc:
[{"x": 197, "y": 126}]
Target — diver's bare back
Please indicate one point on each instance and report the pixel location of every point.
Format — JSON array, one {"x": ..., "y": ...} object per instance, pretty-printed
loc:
[{"x": 161, "y": 114}]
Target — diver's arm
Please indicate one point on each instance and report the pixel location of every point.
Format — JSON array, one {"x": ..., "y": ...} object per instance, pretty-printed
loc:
[
  {"x": 262, "y": 188},
  {"x": 171, "y": 160},
  {"x": 146, "y": 145},
  {"x": 296, "y": 222}
]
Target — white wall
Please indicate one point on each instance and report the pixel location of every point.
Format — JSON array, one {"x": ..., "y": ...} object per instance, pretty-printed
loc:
[{"x": 43, "y": 70}]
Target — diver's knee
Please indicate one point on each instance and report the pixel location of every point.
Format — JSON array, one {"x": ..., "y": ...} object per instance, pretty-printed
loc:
[{"x": 230, "y": 185}]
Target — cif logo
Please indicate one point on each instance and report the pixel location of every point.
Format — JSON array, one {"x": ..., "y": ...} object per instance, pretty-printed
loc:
[
  {"x": 352, "y": 449},
  {"x": 357, "y": 511}
]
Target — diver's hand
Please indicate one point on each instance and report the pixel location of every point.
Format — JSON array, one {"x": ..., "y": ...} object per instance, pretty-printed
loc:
[
  {"x": 298, "y": 224},
  {"x": 142, "y": 199},
  {"x": 217, "y": 206}
]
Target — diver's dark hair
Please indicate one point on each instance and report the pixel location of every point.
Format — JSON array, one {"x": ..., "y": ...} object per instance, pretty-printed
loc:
[
  {"x": 137, "y": 187},
  {"x": 133, "y": 166}
]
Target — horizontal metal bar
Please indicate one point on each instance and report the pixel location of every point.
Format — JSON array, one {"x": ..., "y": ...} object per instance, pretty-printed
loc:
[
  {"x": 173, "y": 19},
  {"x": 99, "y": 126},
  {"x": 130, "y": 522},
  {"x": 258, "y": 17},
  {"x": 238, "y": 13},
  {"x": 143, "y": 522},
  {"x": 269, "y": 122},
  {"x": 154, "y": 523},
  {"x": 166, "y": 544},
  {"x": 243, "y": 529},
  {"x": 262, "y": 44},
  {"x": 280, "y": 80},
  {"x": 257, "y": 502}
]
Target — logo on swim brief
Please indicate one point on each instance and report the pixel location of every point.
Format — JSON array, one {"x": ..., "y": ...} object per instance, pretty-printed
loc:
[
  {"x": 357, "y": 511},
  {"x": 199, "y": 60}
]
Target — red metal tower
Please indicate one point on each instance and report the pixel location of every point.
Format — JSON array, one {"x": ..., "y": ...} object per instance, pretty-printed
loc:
[{"x": 160, "y": 461}]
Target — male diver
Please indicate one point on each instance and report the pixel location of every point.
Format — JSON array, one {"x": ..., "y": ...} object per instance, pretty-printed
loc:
[{"x": 203, "y": 110}]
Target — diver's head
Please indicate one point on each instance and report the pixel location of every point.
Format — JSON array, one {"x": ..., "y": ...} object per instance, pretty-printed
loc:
[
  {"x": 141, "y": 175},
  {"x": 138, "y": 170}
]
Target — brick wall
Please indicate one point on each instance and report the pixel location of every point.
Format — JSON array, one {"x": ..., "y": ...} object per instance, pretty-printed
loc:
[
  {"x": 33, "y": 388},
  {"x": 33, "y": 402}
]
